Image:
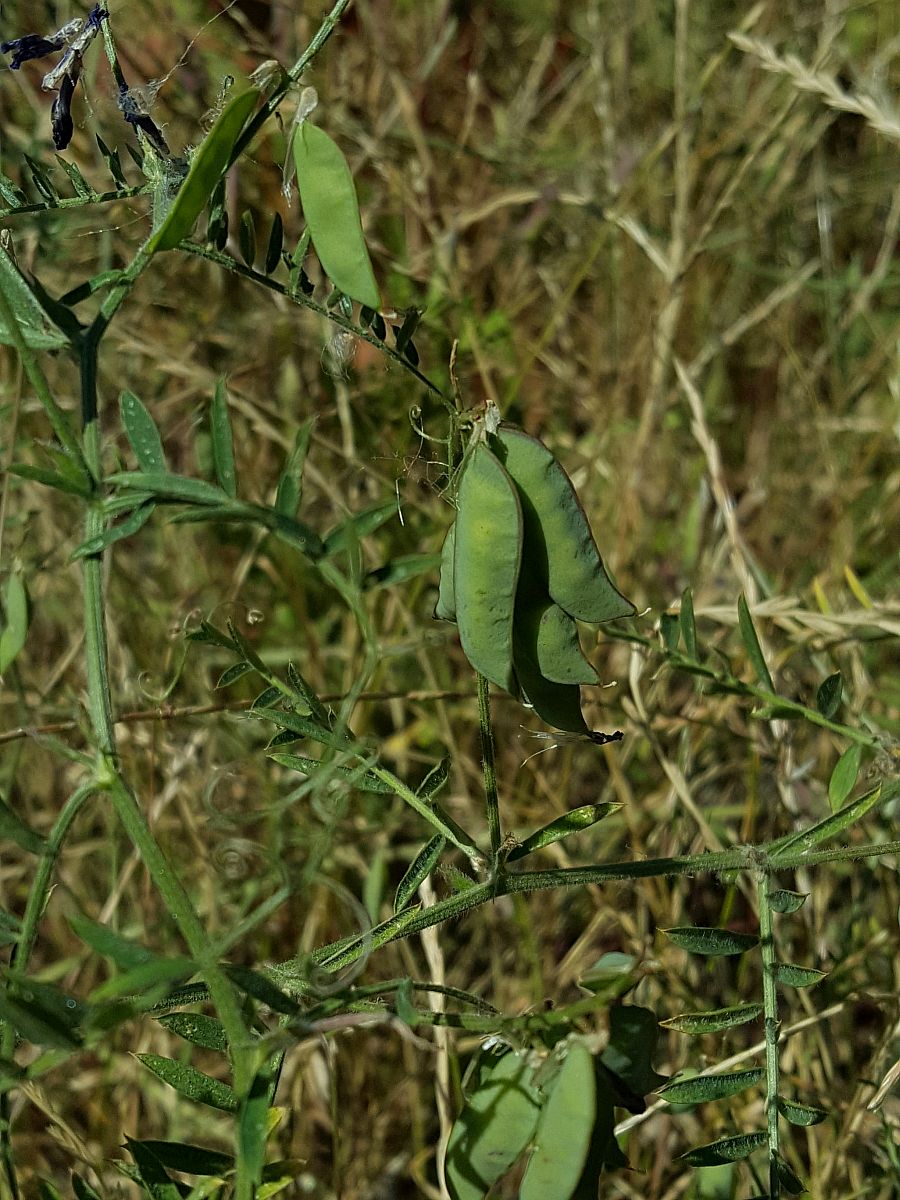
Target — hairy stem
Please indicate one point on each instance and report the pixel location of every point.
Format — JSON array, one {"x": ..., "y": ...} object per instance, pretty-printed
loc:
[{"x": 771, "y": 1027}]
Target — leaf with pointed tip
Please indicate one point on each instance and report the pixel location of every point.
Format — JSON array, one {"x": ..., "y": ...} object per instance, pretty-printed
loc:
[
  {"x": 752, "y": 646},
  {"x": 783, "y": 901},
  {"x": 60, "y": 314},
  {"x": 727, "y": 1150},
  {"x": 670, "y": 631},
  {"x": 701, "y": 1089},
  {"x": 356, "y": 777},
  {"x": 711, "y": 942},
  {"x": 149, "y": 982},
  {"x": 113, "y": 162},
  {"x": 78, "y": 181},
  {"x": 41, "y": 1013},
  {"x": 38, "y": 333},
  {"x": 713, "y": 1020},
  {"x": 831, "y": 826},
  {"x": 191, "y": 1160},
  {"x": 247, "y": 238},
  {"x": 142, "y": 434},
  {"x": 223, "y": 441},
  {"x": 843, "y": 777},
  {"x": 801, "y": 1114},
  {"x": 12, "y": 195},
  {"x": 53, "y": 479},
  {"x": 196, "y": 1028},
  {"x": 15, "y": 621},
  {"x": 83, "y": 1190},
  {"x": 191, "y": 1083},
  {"x": 434, "y": 781},
  {"x": 233, "y": 674},
  {"x": 688, "y": 624},
  {"x": 401, "y": 569},
  {"x": 124, "y": 952},
  {"x": 828, "y": 697},
  {"x": 793, "y": 976},
  {"x": 133, "y": 523},
  {"x": 787, "y": 1177},
  {"x": 168, "y": 486},
  {"x": 261, "y": 988},
  {"x": 361, "y": 525},
  {"x": 253, "y": 1126},
  {"x": 418, "y": 871},
  {"x": 612, "y": 975},
  {"x": 290, "y": 482},
  {"x": 573, "y": 821},
  {"x": 276, "y": 241},
  {"x": 41, "y": 180}
]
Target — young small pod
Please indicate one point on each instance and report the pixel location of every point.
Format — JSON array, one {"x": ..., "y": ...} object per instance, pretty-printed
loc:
[
  {"x": 560, "y": 547},
  {"x": 486, "y": 561},
  {"x": 445, "y": 609}
]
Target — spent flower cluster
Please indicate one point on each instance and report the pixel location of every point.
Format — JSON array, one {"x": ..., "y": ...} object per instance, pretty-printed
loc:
[{"x": 73, "y": 39}]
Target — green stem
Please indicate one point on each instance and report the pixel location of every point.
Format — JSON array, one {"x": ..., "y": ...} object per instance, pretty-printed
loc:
[
  {"x": 227, "y": 263},
  {"x": 341, "y": 954},
  {"x": 323, "y": 33},
  {"x": 491, "y": 798},
  {"x": 771, "y": 1027},
  {"x": 292, "y": 974},
  {"x": 433, "y": 814},
  {"x": 814, "y": 717},
  {"x": 772, "y": 699},
  {"x": 127, "y": 193},
  {"x": 124, "y": 802}
]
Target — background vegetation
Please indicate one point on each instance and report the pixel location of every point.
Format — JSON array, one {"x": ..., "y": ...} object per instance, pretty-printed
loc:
[{"x": 668, "y": 250}]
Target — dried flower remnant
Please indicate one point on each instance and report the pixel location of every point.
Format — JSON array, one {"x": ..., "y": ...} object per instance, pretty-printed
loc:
[
  {"x": 32, "y": 45},
  {"x": 134, "y": 112},
  {"x": 61, "y": 124},
  {"x": 75, "y": 36}
]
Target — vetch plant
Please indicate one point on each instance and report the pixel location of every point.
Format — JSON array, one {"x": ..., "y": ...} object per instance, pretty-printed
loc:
[{"x": 518, "y": 570}]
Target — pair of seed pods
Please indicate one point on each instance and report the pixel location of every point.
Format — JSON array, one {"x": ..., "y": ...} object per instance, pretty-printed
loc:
[{"x": 519, "y": 566}]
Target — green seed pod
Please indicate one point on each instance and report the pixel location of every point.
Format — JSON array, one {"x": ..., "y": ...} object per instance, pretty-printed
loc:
[
  {"x": 550, "y": 637},
  {"x": 560, "y": 546},
  {"x": 445, "y": 609},
  {"x": 328, "y": 196},
  {"x": 559, "y": 704},
  {"x": 486, "y": 560}
]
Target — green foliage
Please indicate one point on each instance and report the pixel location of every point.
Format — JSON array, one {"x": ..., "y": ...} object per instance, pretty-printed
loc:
[
  {"x": 351, "y": 798},
  {"x": 190, "y": 1083},
  {"x": 33, "y": 326}
]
